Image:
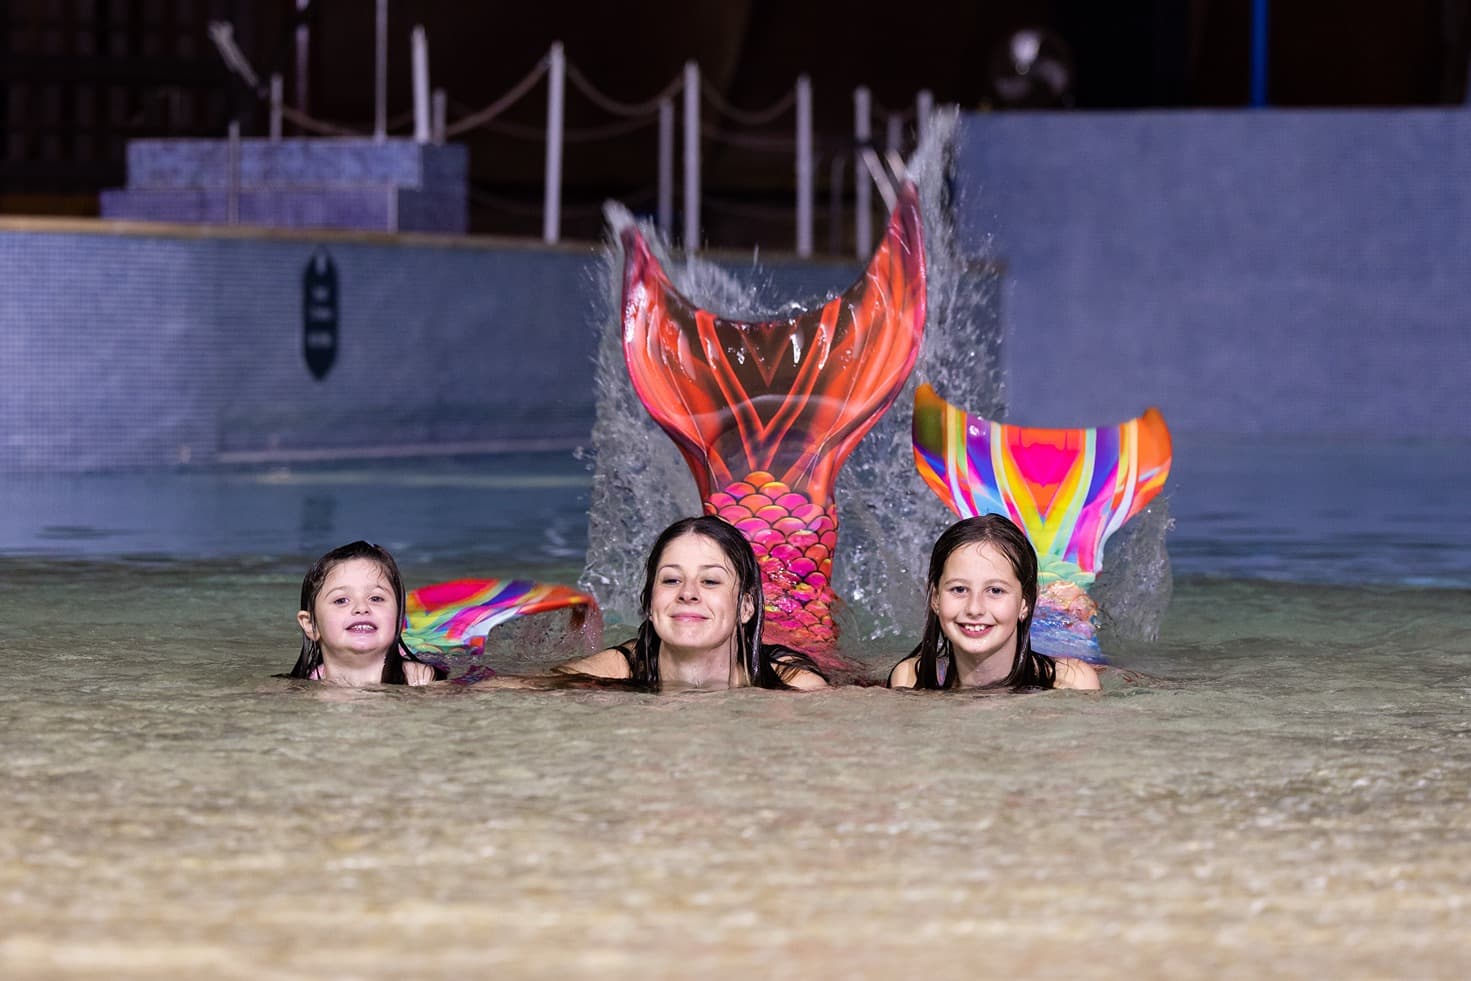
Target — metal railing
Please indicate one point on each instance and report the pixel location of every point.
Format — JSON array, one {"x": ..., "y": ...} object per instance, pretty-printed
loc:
[{"x": 872, "y": 168}]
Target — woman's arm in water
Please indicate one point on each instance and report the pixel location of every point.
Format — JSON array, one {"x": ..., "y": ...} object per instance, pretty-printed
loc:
[
  {"x": 1075, "y": 674},
  {"x": 905, "y": 673}
]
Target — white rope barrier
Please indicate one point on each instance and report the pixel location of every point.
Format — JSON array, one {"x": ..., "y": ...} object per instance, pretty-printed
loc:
[
  {"x": 759, "y": 117},
  {"x": 691, "y": 157},
  {"x": 665, "y": 211},
  {"x": 222, "y": 34},
  {"x": 380, "y": 73},
  {"x": 862, "y": 195},
  {"x": 591, "y": 134},
  {"x": 551, "y": 228},
  {"x": 611, "y": 105},
  {"x": 276, "y": 90},
  {"x": 924, "y": 106},
  {"x": 420, "y": 43},
  {"x": 321, "y": 128},
  {"x": 303, "y": 55},
  {"x": 873, "y": 168},
  {"x": 502, "y": 104},
  {"x": 804, "y": 166}
]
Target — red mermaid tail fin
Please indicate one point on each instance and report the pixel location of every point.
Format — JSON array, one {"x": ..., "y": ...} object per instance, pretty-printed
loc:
[{"x": 779, "y": 402}]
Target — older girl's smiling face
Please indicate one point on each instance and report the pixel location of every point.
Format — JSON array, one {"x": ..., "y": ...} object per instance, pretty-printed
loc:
[
  {"x": 355, "y": 616},
  {"x": 694, "y": 605},
  {"x": 979, "y": 602}
]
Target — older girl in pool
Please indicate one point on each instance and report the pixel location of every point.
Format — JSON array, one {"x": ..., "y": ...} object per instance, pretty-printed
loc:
[
  {"x": 351, "y": 619},
  {"x": 982, "y": 589},
  {"x": 701, "y": 605}
]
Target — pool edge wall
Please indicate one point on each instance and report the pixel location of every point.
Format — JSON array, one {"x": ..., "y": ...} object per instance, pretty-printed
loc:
[
  {"x": 1282, "y": 272},
  {"x": 142, "y": 345}
]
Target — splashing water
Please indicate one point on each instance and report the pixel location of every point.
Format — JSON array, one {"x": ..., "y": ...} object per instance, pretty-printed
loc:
[{"x": 889, "y": 519}]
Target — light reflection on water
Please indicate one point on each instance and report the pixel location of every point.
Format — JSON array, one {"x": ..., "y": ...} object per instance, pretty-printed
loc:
[
  {"x": 1303, "y": 511},
  {"x": 1277, "y": 787},
  {"x": 528, "y": 509}
]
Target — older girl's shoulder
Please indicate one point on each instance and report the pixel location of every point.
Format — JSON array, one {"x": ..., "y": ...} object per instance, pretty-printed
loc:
[
  {"x": 905, "y": 674},
  {"x": 1075, "y": 674}
]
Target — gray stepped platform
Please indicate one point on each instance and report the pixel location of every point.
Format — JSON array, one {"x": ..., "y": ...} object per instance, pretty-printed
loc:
[{"x": 395, "y": 185}]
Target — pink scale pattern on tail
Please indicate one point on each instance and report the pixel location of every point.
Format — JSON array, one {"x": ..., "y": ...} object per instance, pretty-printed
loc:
[{"x": 794, "y": 540}]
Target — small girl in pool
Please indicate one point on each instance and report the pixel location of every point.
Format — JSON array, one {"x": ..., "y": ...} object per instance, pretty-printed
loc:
[
  {"x": 351, "y": 617},
  {"x": 982, "y": 590}
]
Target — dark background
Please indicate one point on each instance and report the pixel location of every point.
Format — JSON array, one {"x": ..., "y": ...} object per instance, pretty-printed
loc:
[{"x": 81, "y": 77}]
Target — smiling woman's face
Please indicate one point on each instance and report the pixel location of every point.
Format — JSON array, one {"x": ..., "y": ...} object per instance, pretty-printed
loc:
[{"x": 694, "y": 606}]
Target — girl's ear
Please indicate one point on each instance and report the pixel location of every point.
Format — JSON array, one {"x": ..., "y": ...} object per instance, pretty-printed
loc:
[
  {"x": 307, "y": 626},
  {"x": 934, "y": 602},
  {"x": 748, "y": 609}
]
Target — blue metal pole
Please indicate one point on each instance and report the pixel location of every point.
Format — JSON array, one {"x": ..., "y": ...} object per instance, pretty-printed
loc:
[{"x": 1259, "y": 53}]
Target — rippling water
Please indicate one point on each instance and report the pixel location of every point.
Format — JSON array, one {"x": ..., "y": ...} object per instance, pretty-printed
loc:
[{"x": 1280, "y": 786}]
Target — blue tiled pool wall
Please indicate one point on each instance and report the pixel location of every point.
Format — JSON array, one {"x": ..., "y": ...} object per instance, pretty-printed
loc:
[
  {"x": 1295, "y": 273},
  {"x": 109, "y": 350},
  {"x": 144, "y": 349},
  {"x": 1275, "y": 272}
]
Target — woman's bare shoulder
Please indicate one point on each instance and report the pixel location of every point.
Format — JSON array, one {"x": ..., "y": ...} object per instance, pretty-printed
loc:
[
  {"x": 795, "y": 676},
  {"x": 609, "y": 663},
  {"x": 1075, "y": 674}
]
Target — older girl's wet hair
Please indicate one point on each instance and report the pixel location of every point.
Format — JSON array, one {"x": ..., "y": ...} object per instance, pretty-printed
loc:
[
  {"x": 1029, "y": 669},
  {"x": 311, "y": 586},
  {"x": 763, "y": 664}
]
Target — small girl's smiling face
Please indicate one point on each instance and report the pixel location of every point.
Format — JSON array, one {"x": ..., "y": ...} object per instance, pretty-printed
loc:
[{"x": 355, "y": 615}]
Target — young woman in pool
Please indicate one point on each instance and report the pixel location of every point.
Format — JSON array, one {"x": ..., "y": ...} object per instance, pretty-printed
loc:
[
  {"x": 351, "y": 619},
  {"x": 982, "y": 590},
  {"x": 701, "y": 605}
]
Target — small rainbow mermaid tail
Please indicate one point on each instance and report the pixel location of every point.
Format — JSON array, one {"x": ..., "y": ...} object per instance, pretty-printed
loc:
[
  {"x": 453, "y": 618},
  {"x": 1068, "y": 489},
  {"x": 765, "y": 413}
]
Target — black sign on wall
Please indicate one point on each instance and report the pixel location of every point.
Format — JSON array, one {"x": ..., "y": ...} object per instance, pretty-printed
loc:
[{"x": 319, "y": 314}]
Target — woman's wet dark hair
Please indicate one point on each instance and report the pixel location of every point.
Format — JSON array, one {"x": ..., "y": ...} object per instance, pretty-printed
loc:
[
  {"x": 1029, "y": 669},
  {"x": 311, "y": 585},
  {"x": 763, "y": 664}
]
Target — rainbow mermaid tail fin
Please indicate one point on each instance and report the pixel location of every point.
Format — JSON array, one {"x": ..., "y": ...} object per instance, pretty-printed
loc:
[
  {"x": 765, "y": 413},
  {"x": 453, "y": 618},
  {"x": 1068, "y": 489}
]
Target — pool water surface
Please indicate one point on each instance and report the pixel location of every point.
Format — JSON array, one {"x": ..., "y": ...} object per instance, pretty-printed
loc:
[{"x": 1277, "y": 787}]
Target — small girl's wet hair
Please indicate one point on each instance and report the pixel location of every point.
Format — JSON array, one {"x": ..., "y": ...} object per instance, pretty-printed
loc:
[{"x": 311, "y": 586}]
